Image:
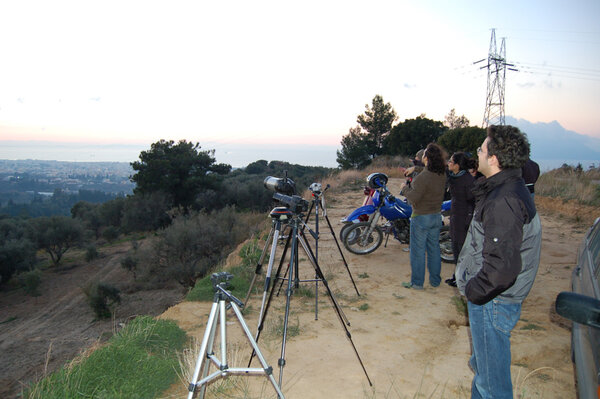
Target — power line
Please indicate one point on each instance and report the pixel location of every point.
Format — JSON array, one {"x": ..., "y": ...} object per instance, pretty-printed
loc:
[{"x": 559, "y": 71}]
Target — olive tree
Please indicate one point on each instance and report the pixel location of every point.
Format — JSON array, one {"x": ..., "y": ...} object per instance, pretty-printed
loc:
[{"x": 56, "y": 235}]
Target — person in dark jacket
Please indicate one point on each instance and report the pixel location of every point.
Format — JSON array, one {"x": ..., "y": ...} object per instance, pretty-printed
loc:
[
  {"x": 530, "y": 172},
  {"x": 460, "y": 185},
  {"x": 425, "y": 194},
  {"x": 500, "y": 258}
]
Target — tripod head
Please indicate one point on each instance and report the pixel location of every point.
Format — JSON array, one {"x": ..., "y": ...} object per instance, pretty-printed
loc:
[
  {"x": 220, "y": 280},
  {"x": 220, "y": 283},
  {"x": 317, "y": 189}
]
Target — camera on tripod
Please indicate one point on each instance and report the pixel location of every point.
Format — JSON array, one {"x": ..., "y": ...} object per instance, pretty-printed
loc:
[{"x": 285, "y": 192}]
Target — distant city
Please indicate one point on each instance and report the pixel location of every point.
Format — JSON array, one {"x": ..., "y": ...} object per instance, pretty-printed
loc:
[{"x": 46, "y": 176}]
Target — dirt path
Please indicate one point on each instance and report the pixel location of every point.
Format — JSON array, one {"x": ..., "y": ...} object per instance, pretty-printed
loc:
[{"x": 412, "y": 343}]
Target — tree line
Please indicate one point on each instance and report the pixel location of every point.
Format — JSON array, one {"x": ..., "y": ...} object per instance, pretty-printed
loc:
[
  {"x": 376, "y": 133},
  {"x": 196, "y": 208}
]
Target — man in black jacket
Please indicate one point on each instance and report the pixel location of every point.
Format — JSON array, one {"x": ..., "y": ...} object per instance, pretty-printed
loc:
[{"x": 499, "y": 260}]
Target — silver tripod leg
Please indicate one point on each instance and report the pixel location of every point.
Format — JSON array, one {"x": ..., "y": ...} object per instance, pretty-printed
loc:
[
  {"x": 201, "y": 362},
  {"x": 218, "y": 313},
  {"x": 269, "y": 270},
  {"x": 260, "y": 262}
]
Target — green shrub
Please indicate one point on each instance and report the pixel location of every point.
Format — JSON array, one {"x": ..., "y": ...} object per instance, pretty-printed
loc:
[
  {"x": 110, "y": 233},
  {"x": 91, "y": 253},
  {"x": 193, "y": 245},
  {"x": 102, "y": 297},
  {"x": 130, "y": 263},
  {"x": 30, "y": 281}
]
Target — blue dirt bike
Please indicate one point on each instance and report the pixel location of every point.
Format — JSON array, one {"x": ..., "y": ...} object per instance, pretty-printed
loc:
[{"x": 362, "y": 233}]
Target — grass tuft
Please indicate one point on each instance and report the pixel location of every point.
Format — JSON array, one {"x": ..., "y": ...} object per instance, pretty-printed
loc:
[{"x": 138, "y": 362}]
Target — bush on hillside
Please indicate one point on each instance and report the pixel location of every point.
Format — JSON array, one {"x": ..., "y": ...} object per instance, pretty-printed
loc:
[
  {"x": 102, "y": 298},
  {"x": 195, "y": 244},
  {"x": 30, "y": 281}
]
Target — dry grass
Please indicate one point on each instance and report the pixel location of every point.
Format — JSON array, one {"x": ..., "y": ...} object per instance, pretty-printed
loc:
[
  {"x": 571, "y": 193},
  {"x": 231, "y": 386},
  {"x": 571, "y": 184},
  {"x": 352, "y": 179}
]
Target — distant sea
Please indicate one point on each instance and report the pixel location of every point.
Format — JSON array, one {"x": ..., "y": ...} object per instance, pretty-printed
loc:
[{"x": 236, "y": 155}]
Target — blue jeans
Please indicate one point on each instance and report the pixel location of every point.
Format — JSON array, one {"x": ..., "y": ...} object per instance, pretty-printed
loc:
[
  {"x": 425, "y": 241},
  {"x": 491, "y": 325}
]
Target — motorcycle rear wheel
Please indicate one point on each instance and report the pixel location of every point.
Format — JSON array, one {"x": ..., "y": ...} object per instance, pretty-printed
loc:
[
  {"x": 446, "y": 252},
  {"x": 356, "y": 240},
  {"x": 344, "y": 231}
]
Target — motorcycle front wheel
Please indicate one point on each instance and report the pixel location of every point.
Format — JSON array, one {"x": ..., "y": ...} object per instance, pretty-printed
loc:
[{"x": 357, "y": 241}]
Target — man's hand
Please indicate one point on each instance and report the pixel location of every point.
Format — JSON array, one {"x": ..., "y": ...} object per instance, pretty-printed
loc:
[{"x": 409, "y": 171}]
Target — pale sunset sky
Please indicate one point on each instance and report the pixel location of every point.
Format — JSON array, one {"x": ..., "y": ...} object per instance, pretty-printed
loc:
[{"x": 247, "y": 74}]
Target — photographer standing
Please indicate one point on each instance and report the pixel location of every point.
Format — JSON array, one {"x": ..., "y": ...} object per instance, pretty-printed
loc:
[
  {"x": 500, "y": 258},
  {"x": 425, "y": 194}
]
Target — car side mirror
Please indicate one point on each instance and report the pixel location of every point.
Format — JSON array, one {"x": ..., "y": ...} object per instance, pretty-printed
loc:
[{"x": 579, "y": 308}]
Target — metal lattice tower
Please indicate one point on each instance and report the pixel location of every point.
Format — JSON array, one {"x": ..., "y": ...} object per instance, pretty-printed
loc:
[{"x": 496, "y": 81}]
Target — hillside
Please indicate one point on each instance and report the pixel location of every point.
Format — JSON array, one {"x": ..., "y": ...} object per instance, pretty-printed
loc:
[
  {"x": 410, "y": 342},
  {"x": 39, "y": 335}
]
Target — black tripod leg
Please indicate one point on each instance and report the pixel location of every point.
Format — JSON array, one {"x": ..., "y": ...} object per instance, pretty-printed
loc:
[
  {"x": 336, "y": 307},
  {"x": 283, "y": 255},
  {"x": 320, "y": 276},
  {"x": 341, "y": 253}
]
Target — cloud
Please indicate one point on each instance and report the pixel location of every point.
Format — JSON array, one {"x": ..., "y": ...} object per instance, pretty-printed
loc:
[
  {"x": 409, "y": 86},
  {"x": 527, "y": 85},
  {"x": 551, "y": 84}
]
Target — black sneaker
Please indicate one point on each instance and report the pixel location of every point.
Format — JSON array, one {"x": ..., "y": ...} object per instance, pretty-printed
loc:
[{"x": 451, "y": 282}]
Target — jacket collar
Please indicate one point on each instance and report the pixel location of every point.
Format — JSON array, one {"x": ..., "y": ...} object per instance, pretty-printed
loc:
[{"x": 484, "y": 186}]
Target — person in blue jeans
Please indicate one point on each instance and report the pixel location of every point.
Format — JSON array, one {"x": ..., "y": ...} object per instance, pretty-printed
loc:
[
  {"x": 500, "y": 258},
  {"x": 425, "y": 194}
]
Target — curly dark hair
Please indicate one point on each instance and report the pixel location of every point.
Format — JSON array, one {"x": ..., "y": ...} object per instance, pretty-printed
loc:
[
  {"x": 463, "y": 161},
  {"x": 509, "y": 145},
  {"x": 435, "y": 159}
]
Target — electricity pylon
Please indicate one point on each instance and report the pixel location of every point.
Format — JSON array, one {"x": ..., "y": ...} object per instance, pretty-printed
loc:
[{"x": 496, "y": 80}]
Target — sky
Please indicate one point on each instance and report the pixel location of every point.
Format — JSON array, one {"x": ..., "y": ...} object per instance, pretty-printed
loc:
[{"x": 279, "y": 79}]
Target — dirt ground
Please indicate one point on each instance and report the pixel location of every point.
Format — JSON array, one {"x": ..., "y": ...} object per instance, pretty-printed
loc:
[{"x": 412, "y": 343}]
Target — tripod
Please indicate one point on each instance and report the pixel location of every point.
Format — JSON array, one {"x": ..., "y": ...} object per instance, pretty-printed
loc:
[
  {"x": 319, "y": 199},
  {"x": 279, "y": 216},
  {"x": 218, "y": 314}
]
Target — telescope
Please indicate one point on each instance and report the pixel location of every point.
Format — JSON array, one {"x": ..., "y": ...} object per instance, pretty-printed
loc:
[{"x": 281, "y": 185}]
